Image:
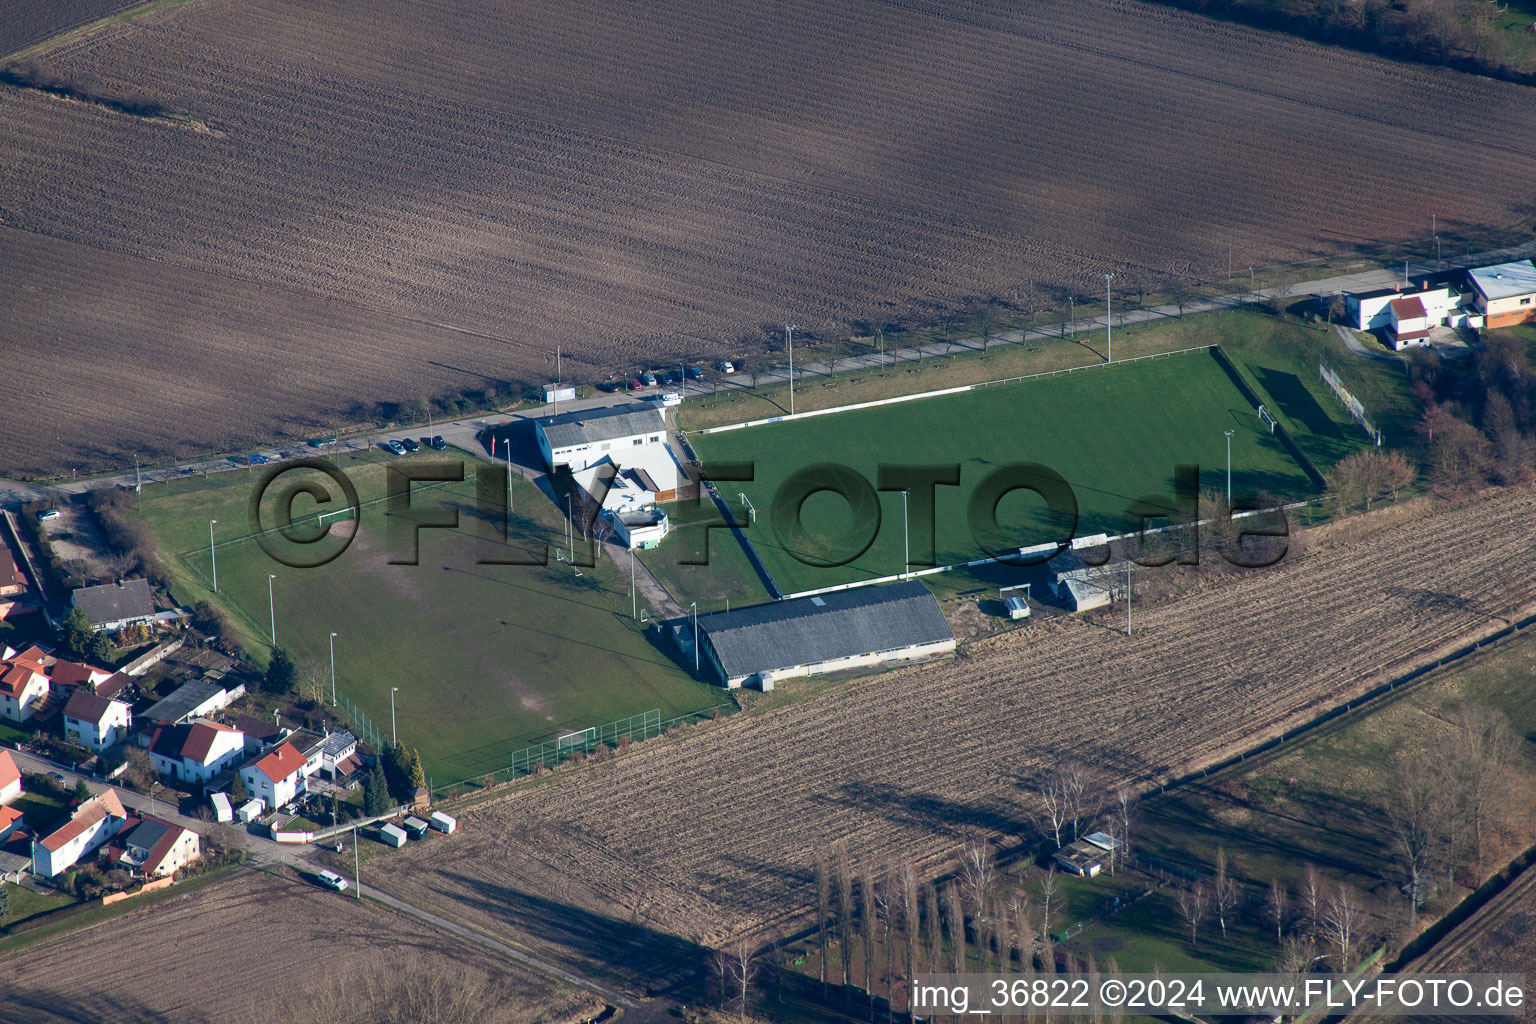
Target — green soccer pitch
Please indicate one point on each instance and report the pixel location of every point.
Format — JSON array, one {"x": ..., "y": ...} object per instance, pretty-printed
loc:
[{"x": 1115, "y": 433}]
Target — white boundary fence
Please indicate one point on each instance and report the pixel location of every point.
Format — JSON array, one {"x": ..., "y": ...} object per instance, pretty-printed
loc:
[
  {"x": 1350, "y": 401},
  {"x": 961, "y": 389}
]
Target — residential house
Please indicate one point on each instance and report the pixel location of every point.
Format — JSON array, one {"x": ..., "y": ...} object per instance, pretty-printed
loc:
[
  {"x": 111, "y": 606},
  {"x": 1505, "y": 294},
  {"x": 10, "y": 823},
  {"x": 10, "y": 778},
  {"x": 197, "y": 751},
  {"x": 93, "y": 823},
  {"x": 16, "y": 598},
  {"x": 65, "y": 677},
  {"x": 260, "y": 733},
  {"x": 276, "y": 777},
  {"x": 23, "y": 684},
  {"x": 339, "y": 758},
  {"x": 96, "y": 722},
  {"x": 156, "y": 848}
]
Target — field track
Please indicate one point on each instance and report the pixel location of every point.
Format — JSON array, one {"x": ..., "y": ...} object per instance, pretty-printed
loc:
[
  {"x": 714, "y": 831},
  {"x": 634, "y": 181},
  {"x": 24, "y": 22},
  {"x": 245, "y": 950}
]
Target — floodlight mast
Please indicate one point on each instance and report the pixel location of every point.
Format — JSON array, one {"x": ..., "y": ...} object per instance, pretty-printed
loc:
[
  {"x": 1109, "y": 319},
  {"x": 789, "y": 338}
]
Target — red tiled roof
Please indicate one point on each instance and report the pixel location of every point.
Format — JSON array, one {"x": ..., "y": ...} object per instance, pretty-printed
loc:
[
  {"x": 8, "y": 816},
  {"x": 9, "y": 773},
  {"x": 88, "y": 814},
  {"x": 70, "y": 673},
  {"x": 348, "y": 764},
  {"x": 1410, "y": 335},
  {"x": 10, "y": 574},
  {"x": 1409, "y": 309},
  {"x": 281, "y": 763},
  {"x": 15, "y": 679},
  {"x": 87, "y": 706},
  {"x": 162, "y": 849}
]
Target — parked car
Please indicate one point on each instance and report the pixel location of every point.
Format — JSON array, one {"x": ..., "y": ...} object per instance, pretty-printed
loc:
[
  {"x": 56, "y": 777},
  {"x": 410, "y": 444},
  {"x": 323, "y": 442},
  {"x": 436, "y": 442},
  {"x": 648, "y": 379},
  {"x": 693, "y": 373},
  {"x": 672, "y": 377},
  {"x": 47, "y": 514},
  {"x": 258, "y": 459},
  {"x": 331, "y": 880},
  {"x": 395, "y": 446},
  {"x": 637, "y": 384},
  {"x": 725, "y": 366}
]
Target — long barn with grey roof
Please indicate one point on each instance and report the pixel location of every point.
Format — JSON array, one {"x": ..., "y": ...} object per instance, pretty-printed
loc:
[
  {"x": 848, "y": 629},
  {"x": 580, "y": 439}
]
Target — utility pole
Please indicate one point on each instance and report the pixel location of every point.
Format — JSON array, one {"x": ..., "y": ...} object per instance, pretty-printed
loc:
[
  {"x": 1071, "y": 315},
  {"x": 1109, "y": 320},
  {"x": 357, "y": 867},
  {"x": 213, "y": 554},
  {"x": 789, "y": 337},
  {"x": 1127, "y": 597},
  {"x": 1251, "y": 288},
  {"x": 506, "y": 447},
  {"x": 394, "y": 739},
  {"x": 694, "y": 605},
  {"x": 634, "y": 611},
  {"x": 333, "y": 670},
  {"x": 272, "y": 606}
]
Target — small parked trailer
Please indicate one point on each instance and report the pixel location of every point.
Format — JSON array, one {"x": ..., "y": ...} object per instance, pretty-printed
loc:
[
  {"x": 222, "y": 811},
  {"x": 444, "y": 823},
  {"x": 250, "y": 810},
  {"x": 392, "y": 835},
  {"x": 1018, "y": 608},
  {"x": 415, "y": 827}
]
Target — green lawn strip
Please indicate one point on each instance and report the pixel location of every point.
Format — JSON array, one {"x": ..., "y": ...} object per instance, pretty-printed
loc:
[
  {"x": 1115, "y": 433},
  {"x": 728, "y": 575},
  {"x": 488, "y": 658}
]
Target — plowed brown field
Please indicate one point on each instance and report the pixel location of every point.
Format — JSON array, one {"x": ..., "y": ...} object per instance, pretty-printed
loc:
[
  {"x": 247, "y": 950},
  {"x": 713, "y": 831},
  {"x": 634, "y": 179}
]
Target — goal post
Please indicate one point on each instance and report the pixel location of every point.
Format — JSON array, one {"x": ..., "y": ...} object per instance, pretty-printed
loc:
[
  {"x": 582, "y": 738},
  {"x": 1266, "y": 419}
]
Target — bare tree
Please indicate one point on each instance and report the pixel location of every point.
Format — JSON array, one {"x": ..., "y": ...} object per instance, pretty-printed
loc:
[
  {"x": 1023, "y": 935},
  {"x": 1194, "y": 902},
  {"x": 120, "y": 564},
  {"x": 823, "y": 912},
  {"x": 933, "y": 938},
  {"x": 1124, "y": 801},
  {"x": 1083, "y": 798},
  {"x": 1053, "y": 794},
  {"x": 1341, "y": 920},
  {"x": 956, "y": 915},
  {"x": 742, "y": 965},
  {"x": 909, "y": 920},
  {"x": 978, "y": 875},
  {"x": 1295, "y": 956},
  {"x": 1416, "y": 813},
  {"x": 866, "y": 890},
  {"x": 1224, "y": 891},
  {"x": 886, "y": 908},
  {"x": 842, "y": 878},
  {"x": 1487, "y": 746},
  {"x": 1050, "y": 885},
  {"x": 1275, "y": 907},
  {"x": 1312, "y": 894}
]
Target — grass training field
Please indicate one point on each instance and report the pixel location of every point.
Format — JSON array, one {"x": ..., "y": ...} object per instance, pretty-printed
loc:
[
  {"x": 1114, "y": 433},
  {"x": 488, "y": 658}
]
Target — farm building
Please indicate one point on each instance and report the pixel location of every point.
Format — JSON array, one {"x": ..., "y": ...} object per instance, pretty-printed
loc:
[
  {"x": 1505, "y": 294},
  {"x": 1085, "y": 856},
  {"x": 1081, "y": 584},
  {"x": 848, "y": 629},
  {"x": 193, "y": 700},
  {"x": 576, "y": 440},
  {"x": 112, "y": 606}
]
